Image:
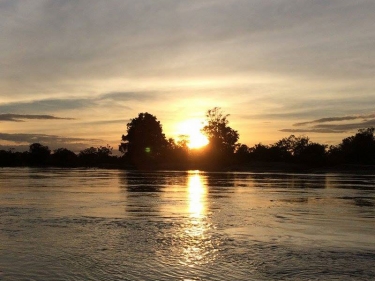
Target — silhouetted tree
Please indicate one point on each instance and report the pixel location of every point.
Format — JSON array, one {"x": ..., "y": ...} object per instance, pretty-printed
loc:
[
  {"x": 104, "y": 155},
  {"x": 88, "y": 157},
  {"x": 288, "y": 147},
  {"x": 6, "y": 158},
  {"x": 39, "y": 154},
  {"x": 222, "y": 138},
  {"x": 335, "y": 155},
  {"x": 178, "y": 153},
  {"x": 63, "y": 157},
  {"x": 97, "y": 157},
  {"x": 144, "y": 144},
  {"x": 357, "y": 149},
  {"x": 220, "y": 135},
  {"x": 313, "y": 154},
  {"x": 290, "y": 150},
  {"x": 263, "y": 153},
  {"x": 105, "y": 151},
  {"x": 11, "y": 158},
  {"x": 300, "y": 149},
  {"x": 242, "y": 153}
]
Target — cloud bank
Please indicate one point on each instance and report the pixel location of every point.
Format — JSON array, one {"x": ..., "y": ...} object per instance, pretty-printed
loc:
[
  {"x": 22, "y": 117},
  {"x": 267, "y": 63},
  {"x": 333, "y": 119},
  {"x": 53, "y": 141},
  {"x": 335, "y": 124}
]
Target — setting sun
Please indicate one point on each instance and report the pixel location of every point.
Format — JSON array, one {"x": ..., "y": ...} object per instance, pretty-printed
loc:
[{"x": 192, "y": 129}]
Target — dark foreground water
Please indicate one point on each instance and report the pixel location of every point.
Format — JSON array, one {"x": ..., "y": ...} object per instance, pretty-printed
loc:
[{"x": 117, "y": 225}]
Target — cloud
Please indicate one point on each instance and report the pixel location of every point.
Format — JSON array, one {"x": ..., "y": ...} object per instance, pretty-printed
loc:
[
  {"x": 324, "y": 131},
  {"x": 19, "y": 148},
  {"x": 346, "y": 127},
  {"x": 30, "y": 138},
  {"x": 47, "y": 105},
  {"x": 72, "y": 44},
  {"x": 286, "y": 115},
  {"x": 53, "y": 141},
  {"x": 105, "y": 122},
  {"x": 328, "y": 125},
  {"x": 21, "y": 117},
  {"x": 67, "y": 104},
  {"x": 129, "y": 96},
  {"x": 333, "y": 119}
]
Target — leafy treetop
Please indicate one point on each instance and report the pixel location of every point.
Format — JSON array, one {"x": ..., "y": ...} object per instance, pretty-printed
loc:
[{"x": 221, "y": 137}]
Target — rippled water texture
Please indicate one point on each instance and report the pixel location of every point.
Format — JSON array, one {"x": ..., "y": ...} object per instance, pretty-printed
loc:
[{"x": 120, "y": 225}]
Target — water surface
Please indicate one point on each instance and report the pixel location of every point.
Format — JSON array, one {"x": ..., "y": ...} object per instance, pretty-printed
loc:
[{"x": 74, "y": 224}]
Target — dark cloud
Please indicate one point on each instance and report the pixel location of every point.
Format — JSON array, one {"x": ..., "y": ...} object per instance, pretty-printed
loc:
[
  {"x": 75, "y": 147},
  {"x": 346, "y": 127},
  {"x": 322, "y": 126},
  {"x": 19, "y": 148},
  {"x": 105, "y": 122},
  {"x": 311, "y": 130},
  {"x": 22, "y": 117},
  {"x": 299, "y": 108},
  {"x": 53, "y": 105},
  {"x": 129, "y": 96},
  {"x": 333, "y": 119},
  {"x": 30, "y": 138},
  {"x": 277, "y": 116},
  {"x": 47, "y": 105},
  {"x": 53, "y": 141}
]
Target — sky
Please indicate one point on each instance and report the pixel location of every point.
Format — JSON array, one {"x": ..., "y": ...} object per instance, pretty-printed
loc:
[{"x": 73, "y": 73}]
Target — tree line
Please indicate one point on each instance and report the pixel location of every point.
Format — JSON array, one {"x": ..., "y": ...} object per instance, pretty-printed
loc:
[
  {"x": 145, "y": 146},
  {"x": 41, "y": 155}
]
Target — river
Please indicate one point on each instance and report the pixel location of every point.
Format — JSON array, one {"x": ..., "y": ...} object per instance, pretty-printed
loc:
[{"x": 92, "y": 224}]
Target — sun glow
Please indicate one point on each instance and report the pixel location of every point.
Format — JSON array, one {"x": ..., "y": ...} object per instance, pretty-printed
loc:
[{"x": 192, "y": 129}]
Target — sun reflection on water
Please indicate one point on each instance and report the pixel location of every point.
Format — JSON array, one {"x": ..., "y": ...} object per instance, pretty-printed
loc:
[
  {"x": 189, "y": 241},
  {"x": 198, "y": 247},
  {"x": 197, "y": 195}
]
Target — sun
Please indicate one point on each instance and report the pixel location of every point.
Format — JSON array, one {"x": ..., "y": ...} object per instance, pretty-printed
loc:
[{"x": 192, "y": 129}]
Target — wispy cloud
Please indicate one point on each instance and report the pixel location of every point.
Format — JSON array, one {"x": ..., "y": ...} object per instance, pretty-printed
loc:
[
  {"x": 333, "y": 119},
  {"x": 68, "y": 104},
  {"x": 106, "y": 122},
  {"x": 22, "y": 117},
  {"x": 47, "y": 105},
  {"x": 348, "y": 126},
  {"x": 312, "y": 130},
  {"x": 129, "y": 96},
  {"x": 30, "y": 138},
  {"x": 154, "y": 39},
  {"x": 21, "y": 141},
  {"x": 330, "y": 124}
]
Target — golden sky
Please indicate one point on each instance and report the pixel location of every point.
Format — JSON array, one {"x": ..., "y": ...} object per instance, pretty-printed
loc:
[{"x": 73, "y": 73}]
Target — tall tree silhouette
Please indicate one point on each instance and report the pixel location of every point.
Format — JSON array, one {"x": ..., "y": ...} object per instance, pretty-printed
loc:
[
  {"x": 39, "y": 154},
  {"x": 144, "y": 144},
  {"x": 96, "y": 156},
  {"x": 64, "y": 157},
  {"x": 222, "y": 138},
  {"x": 300, "y": 149},
  {"x": 358, "y": 149}
]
